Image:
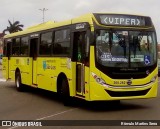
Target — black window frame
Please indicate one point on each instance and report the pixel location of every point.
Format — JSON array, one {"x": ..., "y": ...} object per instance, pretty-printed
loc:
[
  {"x": 15, "y": 46},
  {"x": 40, "y": 41},
  {"x": 5, "y": 48},
  {"x": 63, "y": 40},
  {"x": 21, "y": 39},
  {"x": 8, "y": 47}
]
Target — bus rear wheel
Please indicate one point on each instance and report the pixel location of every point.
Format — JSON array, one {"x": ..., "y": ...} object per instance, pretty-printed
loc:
[
  {"x": 64, "y": 93},
  {"x": 18, "y": 83}
]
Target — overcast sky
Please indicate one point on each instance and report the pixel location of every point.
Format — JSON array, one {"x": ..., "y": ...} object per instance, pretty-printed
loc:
[{"x": 28, "y": 13}]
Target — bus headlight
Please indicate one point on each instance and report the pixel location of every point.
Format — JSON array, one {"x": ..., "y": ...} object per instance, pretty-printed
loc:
[
  {"x": 99, "y": 80},
  {"x": 154, "y": 78}
]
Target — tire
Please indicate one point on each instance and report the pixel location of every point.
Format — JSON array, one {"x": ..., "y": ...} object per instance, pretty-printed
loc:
[
  {"x": 64, "y": 93},
  {"x": 18, "y": 83}
]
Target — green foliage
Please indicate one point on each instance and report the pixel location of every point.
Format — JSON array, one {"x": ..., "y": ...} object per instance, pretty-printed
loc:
[{"x": 14, "y": 27}]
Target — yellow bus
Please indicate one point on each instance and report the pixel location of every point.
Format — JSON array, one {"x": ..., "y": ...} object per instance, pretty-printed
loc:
[{"x": 95, "y": 57}]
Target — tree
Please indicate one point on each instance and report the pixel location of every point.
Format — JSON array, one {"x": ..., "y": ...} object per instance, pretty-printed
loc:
[{"x": 14, "y": 27}]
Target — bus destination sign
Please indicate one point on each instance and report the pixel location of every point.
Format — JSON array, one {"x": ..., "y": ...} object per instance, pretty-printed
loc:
[{"x": 124, "y": 20}]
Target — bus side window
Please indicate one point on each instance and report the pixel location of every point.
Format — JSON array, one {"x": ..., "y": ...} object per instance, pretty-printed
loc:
[
  {"x": 24, "y": 50},
  {"x": 62, "y": 42},
  {"x": 16, "y": 47}
]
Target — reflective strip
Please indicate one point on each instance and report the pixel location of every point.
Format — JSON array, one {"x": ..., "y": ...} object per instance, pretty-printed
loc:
[{"x": 129, "y": 86}]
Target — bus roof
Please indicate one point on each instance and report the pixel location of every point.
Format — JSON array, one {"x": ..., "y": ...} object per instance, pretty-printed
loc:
[{"x": 51, "y": 24}]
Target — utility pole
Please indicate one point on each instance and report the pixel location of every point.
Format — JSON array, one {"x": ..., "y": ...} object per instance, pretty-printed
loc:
[{"x": 43, "y": 10}]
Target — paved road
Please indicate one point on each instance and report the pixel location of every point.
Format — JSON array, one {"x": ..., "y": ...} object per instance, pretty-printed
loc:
[{"x": 37, "y": 104}]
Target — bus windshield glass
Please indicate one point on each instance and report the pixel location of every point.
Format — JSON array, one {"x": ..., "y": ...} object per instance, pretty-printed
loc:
[{"x": 125, "y": 48}]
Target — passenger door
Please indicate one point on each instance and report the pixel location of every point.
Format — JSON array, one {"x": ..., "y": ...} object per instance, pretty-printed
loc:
[
  {"x": 6, "y": 59},
  {"x": 79, "y": 50},
  {"x": 33, "y": 55},
  {"x": 8, "y": 55}
]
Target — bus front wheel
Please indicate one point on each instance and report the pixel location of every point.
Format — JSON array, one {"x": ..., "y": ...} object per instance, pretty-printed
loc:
[{"x": 18, "y": 83}]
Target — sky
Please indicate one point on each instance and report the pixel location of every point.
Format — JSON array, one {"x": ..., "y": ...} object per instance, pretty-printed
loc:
[{"x": 28, "y": 13}]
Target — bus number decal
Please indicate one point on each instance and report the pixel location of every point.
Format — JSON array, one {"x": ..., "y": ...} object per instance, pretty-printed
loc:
[{"x": 120, "y": 82}]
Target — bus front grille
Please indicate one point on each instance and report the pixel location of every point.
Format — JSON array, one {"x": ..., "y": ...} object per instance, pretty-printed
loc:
[{"x": 127, "y": 93}]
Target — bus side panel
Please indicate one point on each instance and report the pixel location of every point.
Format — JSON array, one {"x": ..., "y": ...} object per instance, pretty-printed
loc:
[
  {"x": 5, "y": 67},
  {"x": 73, "y": 81},
  {"x": 87, "y": 79},
  {"x": 49, "y": 70},
  {"x": 46, "y": 73},
  {"x": 26, "y": 70},
  {"x": 13, "y": 62},
  {"x": 34, "y": 71},
  {"x": 24, "y": 64},
  {"x": 65, "y": 66}
]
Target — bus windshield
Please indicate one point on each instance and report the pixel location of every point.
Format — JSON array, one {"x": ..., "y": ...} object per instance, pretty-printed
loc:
[{"x": 125, "y": 48}]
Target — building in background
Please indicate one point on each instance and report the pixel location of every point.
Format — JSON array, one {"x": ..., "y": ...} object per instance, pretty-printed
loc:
[
  {"x": 1, "y": 43},
  {"x": 1, "y": 47}
]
